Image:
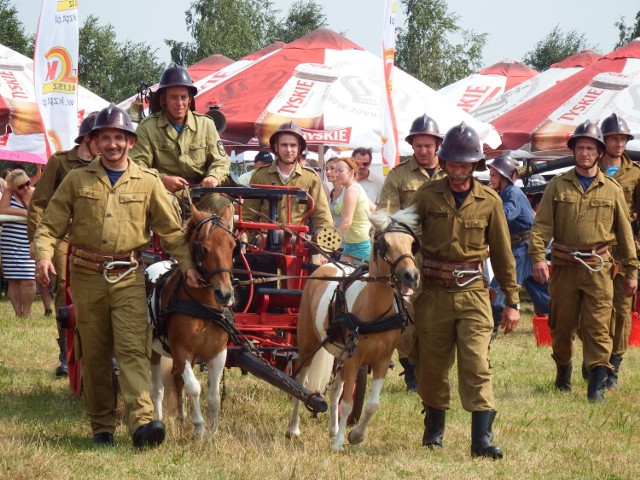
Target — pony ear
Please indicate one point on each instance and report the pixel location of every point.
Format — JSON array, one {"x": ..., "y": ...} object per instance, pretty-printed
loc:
[
  {"x": 196, "y": 214},
  {"x": 227, "y": 213}
]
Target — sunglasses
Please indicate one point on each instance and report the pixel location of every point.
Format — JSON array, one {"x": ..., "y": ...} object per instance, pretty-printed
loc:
[
  {"x": 24, "y": 185},
  {"x": 365, "y": 164}
]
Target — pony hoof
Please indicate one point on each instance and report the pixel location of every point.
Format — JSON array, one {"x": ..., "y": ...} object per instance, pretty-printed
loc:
[
  {"x": 292, "y": 434},
  {"x": 337, "y": 448},
  {"x": 199, "y": 433},
  {"x": 355, "y": 438}
]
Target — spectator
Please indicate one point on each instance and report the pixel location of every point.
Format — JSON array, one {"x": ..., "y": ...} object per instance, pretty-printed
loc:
[
  {"x": 260, "y": 160},
  {"x": 371, "y": 182},
  {"x": 17, "y": 266},
  {"x": 336, "y": 192},
  {"x": 354, "y": 208}
]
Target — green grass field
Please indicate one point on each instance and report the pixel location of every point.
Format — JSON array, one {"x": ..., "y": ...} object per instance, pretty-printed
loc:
[{"x": 545, "y": 434}]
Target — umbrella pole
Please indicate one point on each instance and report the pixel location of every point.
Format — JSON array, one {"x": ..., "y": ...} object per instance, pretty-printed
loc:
[{"x": 323, "y": 174}]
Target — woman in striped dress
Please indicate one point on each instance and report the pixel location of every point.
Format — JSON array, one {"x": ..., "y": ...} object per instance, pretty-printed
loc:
[{"x": 17, "y": 266}]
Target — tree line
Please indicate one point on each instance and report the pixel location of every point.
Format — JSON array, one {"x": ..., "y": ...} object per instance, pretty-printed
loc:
[{"x": 432, "y": 45}]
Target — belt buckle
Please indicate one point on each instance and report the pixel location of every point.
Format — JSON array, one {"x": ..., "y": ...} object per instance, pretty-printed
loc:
[{"x": 107, "y": 259}]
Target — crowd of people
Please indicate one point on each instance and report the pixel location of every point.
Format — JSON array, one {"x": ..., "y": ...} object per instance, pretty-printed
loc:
[{"x": 104, "y": 195}]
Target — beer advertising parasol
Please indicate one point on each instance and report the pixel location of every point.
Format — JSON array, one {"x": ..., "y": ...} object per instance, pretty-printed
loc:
[
  {"x": 534, "y": 86},
  {"x": 330, "y": 87},
  {"x": 479, "y": 88},
  {"x": 546, "y": 121},
  {"x": 21, "y": 134}
]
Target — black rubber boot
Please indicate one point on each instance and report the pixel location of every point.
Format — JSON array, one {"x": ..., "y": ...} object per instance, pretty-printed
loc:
[
  {"x": 596, "y": 387},
  {"x": 409, "y": 375},
  {"x": 62, "y": 370},
  {"x": 612, "y": 375},
  {"x": 433, "y": 428},
  {"x": 482, "y": 435},
  {"x": 563, "y": 376}
]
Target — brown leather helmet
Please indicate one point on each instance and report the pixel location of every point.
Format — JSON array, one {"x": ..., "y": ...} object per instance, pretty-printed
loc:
[
  {"x": 615, "y": 125},
  {"x": 293, "y": 129},
  {"x": 423, "y": 125},
  {"x": 113, "y": 117},
  {"x": 462, "y": 144},
  {"x": 175, "y": 76},
  {"x": 86, "y": 126},
  {"x": 587, "y": 129},
  {"x": 505, "y": 166}
]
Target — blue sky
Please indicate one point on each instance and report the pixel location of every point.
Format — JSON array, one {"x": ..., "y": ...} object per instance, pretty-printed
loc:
[{"x": 513, "y": 26}]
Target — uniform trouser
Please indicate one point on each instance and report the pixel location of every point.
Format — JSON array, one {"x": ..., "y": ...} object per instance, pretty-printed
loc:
[
  {"x": 538, "y": 292},
  {"x": 581, "y": 298},
  {"x": 622, "y": 327},
  {"x": 450, "y": 322},
  {"x": 113, "y": 318}
]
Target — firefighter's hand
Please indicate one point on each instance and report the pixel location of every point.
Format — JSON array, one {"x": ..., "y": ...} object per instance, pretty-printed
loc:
[
  {"x": 510, "y": 319},
  {"x": 630, "y": 287},
  {"x": 43, "y": 268},
  {"x": 173, "y": 183},
  {"x": 194, "y": 279},
  {"x": 209, "y": 181},
  {"x": 541, "y": 272}
]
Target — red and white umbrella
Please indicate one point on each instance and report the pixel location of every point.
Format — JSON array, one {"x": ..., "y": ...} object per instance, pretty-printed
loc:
[
  {"x": 534, "y": 86},
  {"x": 611, "y": 84},
  {"x": 330, "y": 87},
  {"x": 21, "y": 133},
  {"x": 479, "y": 88}
]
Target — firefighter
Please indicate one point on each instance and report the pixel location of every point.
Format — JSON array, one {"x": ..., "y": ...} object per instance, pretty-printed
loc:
[
  {"x": 287, "y": 143},
  {"x": 397, "y": 193},
  {"x": 517, "y": 209},
  {"x": 58, "y": 166},
  {"x": 182, "y": 146},
  {"x": 585, "y": 212},
  {"x": 462, "y": 224},
  {"x": 617, "y": 164},
  {"x": 108, "y": 209}
]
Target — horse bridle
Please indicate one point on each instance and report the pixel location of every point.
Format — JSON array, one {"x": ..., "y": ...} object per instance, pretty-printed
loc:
[
  {"x": 380, "y": 245},
  {"x": 197, "y": 250}
]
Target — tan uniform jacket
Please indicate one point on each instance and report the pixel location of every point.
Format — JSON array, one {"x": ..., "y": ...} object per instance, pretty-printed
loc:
[
  {"x": 303, "y": 177},
  {"x": 466, "y": 234},
  {"x": 401, "y": 184},
  {"x": 58, "y": 166},
  {"x": 111, "y": 219},
  {"x": 628, "y": 176},
  {"x": 584, "y": 219},
  {"x": 196, "y": 153}
]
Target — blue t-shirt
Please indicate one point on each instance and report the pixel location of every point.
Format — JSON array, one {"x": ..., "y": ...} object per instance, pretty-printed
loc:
[
  {"x": 113, "y": 175},
  {"x": 585, "y": 181}
]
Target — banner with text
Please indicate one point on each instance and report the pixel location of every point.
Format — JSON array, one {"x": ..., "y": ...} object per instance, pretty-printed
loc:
[
  {"x": 389, "y": 129},
  {"x": 56, "y": 72}
]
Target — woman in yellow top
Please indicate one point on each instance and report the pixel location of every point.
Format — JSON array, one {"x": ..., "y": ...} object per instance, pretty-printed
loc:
[{"x": 354, "y": 207}]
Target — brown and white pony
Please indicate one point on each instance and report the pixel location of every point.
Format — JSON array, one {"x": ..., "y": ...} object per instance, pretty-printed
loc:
[
  {"x": 193, "y": 317},
  {"x": 377, "y": 307}
]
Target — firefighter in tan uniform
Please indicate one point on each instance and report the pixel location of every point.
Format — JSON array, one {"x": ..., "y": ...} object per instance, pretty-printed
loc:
[
  {"x": 58, "y": 166},
  {"x": 397, "y": 193},
  {"x": 463, "y": 223},
  {"x": 182, "y": 146},
  {"x": 617, "y": 164},
  {"x": 108, "y": 208},
  {"x": 585, "y": 212},
  {"x": 286, "y": 143}
]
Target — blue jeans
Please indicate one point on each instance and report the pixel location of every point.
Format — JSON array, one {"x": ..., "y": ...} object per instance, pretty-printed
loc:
[{"x": 539, "y": 293}]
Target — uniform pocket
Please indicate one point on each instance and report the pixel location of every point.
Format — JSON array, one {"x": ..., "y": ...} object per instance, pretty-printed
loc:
[
  {"x": 131, "y": 206},
  {"x": 473, "y": 233},
  {"x": 164, "y": 146},
  {"x": 601, "y": 210},
  {"x": 565, "y": 208}
]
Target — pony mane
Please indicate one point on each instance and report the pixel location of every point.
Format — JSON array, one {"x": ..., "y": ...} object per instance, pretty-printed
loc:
[{"x": 381, "y": 219}]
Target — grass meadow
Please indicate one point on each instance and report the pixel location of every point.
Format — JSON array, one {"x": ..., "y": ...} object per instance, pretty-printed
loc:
[{"x": 44, "y": 433}]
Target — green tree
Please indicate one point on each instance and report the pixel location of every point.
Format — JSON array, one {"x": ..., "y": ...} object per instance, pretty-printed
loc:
[
  {"x": 233, "y": 28},
  {"x": 626, "y": 33},
  {"x": 111, "y": 69},
  {"x": 304, "y": 17},
  {"x": 12, "y": 32},
  {"x": 424, "y": 47},
  {"x": 557, "y": 46}
]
